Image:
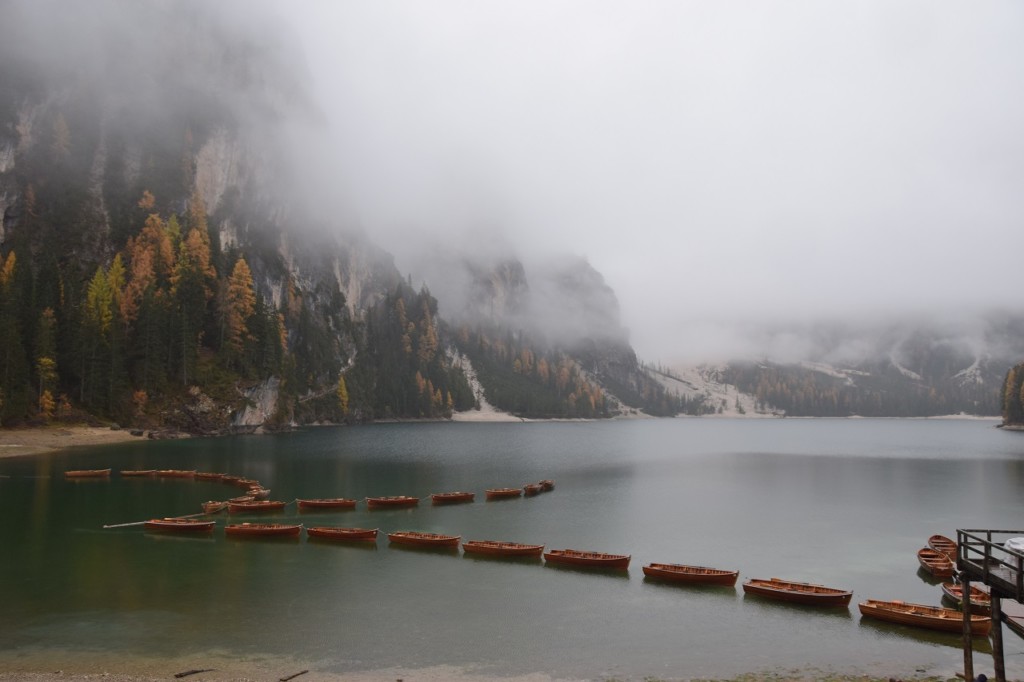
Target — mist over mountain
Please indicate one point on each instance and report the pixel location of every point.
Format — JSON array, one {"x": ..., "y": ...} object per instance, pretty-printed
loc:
[
  {"x": 915, "y": 366},
  {"x": 167, "y": 263}
]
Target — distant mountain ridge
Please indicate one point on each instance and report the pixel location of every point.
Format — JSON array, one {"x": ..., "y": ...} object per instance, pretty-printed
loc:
[{"x": 902, "y": 369}]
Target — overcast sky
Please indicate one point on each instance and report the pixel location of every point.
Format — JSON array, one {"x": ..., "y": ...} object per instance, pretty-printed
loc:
[{"x": 717, "y": 161}]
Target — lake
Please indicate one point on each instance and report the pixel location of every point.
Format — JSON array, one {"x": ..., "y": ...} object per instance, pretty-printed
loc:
[{"x": 844, "y": 502}]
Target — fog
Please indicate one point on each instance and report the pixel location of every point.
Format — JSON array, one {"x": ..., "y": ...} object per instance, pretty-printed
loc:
[
  {"x": 735, "y": 171},
  {"x": 720, "y": 163}
]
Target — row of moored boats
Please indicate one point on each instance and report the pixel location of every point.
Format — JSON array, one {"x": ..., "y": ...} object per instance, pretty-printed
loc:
[{"x": 938, "y": 558}]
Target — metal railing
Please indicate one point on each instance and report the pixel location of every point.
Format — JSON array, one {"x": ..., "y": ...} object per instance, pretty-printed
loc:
[{"x": 984, "y": 553}]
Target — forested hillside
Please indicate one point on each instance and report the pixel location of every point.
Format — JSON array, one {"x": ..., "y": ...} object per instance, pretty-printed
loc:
[
  {"x": 156, "y": 263},
  {"x": 164, "y": 264}
]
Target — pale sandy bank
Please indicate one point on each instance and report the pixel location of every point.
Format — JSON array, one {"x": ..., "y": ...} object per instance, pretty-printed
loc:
[{"x": 37, "y": 440}]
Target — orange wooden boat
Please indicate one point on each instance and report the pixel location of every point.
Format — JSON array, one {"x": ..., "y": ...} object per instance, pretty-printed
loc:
[
  {"x": 799, "y": 593},
  {"x": 87, "y": 473},
  {"x": 262, "y": 529},
  {"x": 176, "y": 473},
  {"x": 342, "y": 534},
  {"x": 575, "y": 557},
  {"x": 981, "y": 602},
  {"x": 501, "y": 493},
  {"x": 137, "y": 473},
  {"x": 255, "y": 506},
  {"x": 259, "y": 493},
  {"x": 531, "y": 489},
  {"x": 327, "y": 503},
  {"x": 392, "y": 501},
  {"x": 942, "y": 544},
  {"x": 242, "y": 498},
  {"x": 214, "y": 507},
  {"x": 547, "y": 484},
  {"x": 230, "y": 480},
  {"x": 936, "y": 563},
  {"x": 457, "y": 497},
  {"x": 247, "y": 483},
  {"x": 501, "y": 548},
  {"x": 180, "y": 525},
  {"x": 424, "y": 539},
  {"x": 208, "y": 476},
  {"x": 924, "y": 616},
  {"x": 691, "y": 574}
]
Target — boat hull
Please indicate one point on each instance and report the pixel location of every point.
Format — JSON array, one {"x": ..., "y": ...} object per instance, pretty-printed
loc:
[
  {"x": 175, "y": 473},
  {"x": 255, "y": 506},
  {"x": 452, "y": 498},
  {"x": 572, "y": 557},
  {"x": 798, "y": 593},
  {"x": 87, "y": 473},
  {"x": 391, "y": 502},
  {"x": 332, "y": 503},
  {"x": 213, "y": 507},
  {"x": 980, "y": 603},
  {"x": 496, "y": 548},
  {"x": 943, "y": 545},
  {"x": 180, "y": 526},
  {"x": 936, "y": 563},
  {"x": 342, "y": 534},
  {"x": 424, "y": 539},
  {"x": 503, "y": 493},
  {"x": 262, "y": 529},
  {"x": 691, "y": 574},
  {"x": 138, "y": 473},
  {"x": 924, "y": 616}
]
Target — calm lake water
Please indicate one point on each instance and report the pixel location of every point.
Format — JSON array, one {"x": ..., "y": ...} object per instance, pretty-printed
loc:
[{"x": 846, "y": 503}]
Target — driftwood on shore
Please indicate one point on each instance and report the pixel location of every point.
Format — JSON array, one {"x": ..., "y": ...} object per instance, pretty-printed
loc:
[
  {"x": 285, "y": 679},
  {"x": 196, "y": 671}
]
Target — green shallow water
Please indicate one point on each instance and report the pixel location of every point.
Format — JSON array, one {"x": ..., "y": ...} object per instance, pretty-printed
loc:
[{"x": 841, "y": 502}]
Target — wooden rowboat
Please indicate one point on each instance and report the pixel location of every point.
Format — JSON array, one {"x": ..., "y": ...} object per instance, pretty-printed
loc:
[
  {"x": 799, "y": 593},
  {"x": 501, "y": 548},
  {"x": 575, "y": 557},
  {"x": 262, "y": 529},
  {"x": 87, "y": 473},
  {"x": 547, "y": 484},
  {"x": 208, "y": 476},
  {"x": 342, "y": 534},
  {"x": 255, "y": 506},
  {"x": 691, "y": 574},
  {"x": 242, "y": 498},
  {"x": 247, "y": 483},
  {"x": 259, "y": 493},
  {"x": 936, "y": 563},
  {"x": 424, "y": 539},
  {"x": 501, "y": 493},
  {"x": 327, "y": 503},
  {"x": 137, "y": 473},
  {"x": 921, "y": 615},
  {"x": 981, "y": 602},
  {"x": 214, "y": 507},
  {"x": 452, "y": 498},
  {"x": 176, "y": 473},
  {"x": 531, "y": 489},
  {"x": 230, "y": 480},
  {"x": 180, "y": 525},
  {"x": 940, "y": 543},
  {"x": 392, "y": 501}
]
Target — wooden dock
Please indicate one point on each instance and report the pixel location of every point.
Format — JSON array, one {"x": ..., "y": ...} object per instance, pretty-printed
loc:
[{"x": 988, "y": 557}]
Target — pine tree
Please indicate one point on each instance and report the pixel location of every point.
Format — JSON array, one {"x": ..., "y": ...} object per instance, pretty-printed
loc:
[{"x": 239, "y": 304}]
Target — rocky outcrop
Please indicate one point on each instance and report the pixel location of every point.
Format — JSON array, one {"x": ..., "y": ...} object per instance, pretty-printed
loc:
[{"x": 261, "y": 405}]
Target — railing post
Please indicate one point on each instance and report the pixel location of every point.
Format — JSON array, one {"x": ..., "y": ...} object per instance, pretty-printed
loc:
[
  {"x": 965, "y": 585},
  {"x": 997, "y": 636}
]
